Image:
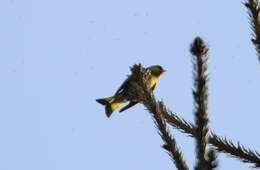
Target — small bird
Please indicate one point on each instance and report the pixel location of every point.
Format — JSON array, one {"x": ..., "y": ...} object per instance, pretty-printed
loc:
[{"x": 121, "y": 95}]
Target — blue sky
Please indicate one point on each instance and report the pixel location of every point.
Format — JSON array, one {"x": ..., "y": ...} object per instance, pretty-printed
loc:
[{"x": 57, "y": 57}]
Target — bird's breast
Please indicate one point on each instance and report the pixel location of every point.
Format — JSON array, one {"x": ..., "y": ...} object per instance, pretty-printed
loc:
[{"x": 153, "y": 80}]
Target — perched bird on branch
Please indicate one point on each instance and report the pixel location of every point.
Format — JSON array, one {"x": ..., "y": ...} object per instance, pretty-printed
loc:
[{"x": 122, "y": 95}]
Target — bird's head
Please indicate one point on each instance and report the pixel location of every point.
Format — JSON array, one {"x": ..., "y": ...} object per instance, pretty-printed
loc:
[{"x": 156, "y": 70}]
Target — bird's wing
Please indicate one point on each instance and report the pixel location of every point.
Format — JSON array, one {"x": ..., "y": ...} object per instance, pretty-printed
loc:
[
  {"x": 122, "y": 87},
  {"x": 128, "y": 106}
]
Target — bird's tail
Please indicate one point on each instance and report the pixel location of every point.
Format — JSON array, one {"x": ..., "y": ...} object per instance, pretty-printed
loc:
[{"x": 110, "y": 104}]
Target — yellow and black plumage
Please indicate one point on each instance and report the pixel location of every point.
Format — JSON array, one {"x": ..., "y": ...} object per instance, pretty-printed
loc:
[{"x": 121, "y": 95}]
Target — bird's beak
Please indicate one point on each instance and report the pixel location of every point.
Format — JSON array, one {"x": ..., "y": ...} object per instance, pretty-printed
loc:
[{"x": 164, "y": 71}]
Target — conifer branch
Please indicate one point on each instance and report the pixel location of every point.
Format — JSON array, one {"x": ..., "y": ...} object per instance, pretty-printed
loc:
[
  {"x": 253, "y": 12},
  {"x": 221, "y": 144},
  {"x": 141, "y": 93},
  {"x": 238, "y": 151},
  {"x": 170, "y": 144},
  {"x": 200, "y": 95}
]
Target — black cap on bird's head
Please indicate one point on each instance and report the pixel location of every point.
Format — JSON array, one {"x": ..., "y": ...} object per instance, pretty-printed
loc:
[{"x": 156, "y": 70}]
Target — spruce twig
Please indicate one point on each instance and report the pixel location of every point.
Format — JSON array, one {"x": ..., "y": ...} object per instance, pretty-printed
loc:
[
  {"x": 221, "y": 144},
  {"x": 253, "y": 12},
  {"x": 200, "y": 95},
  {"x": 141, "y": 93},
  {"x": 239, "y": 151}
]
